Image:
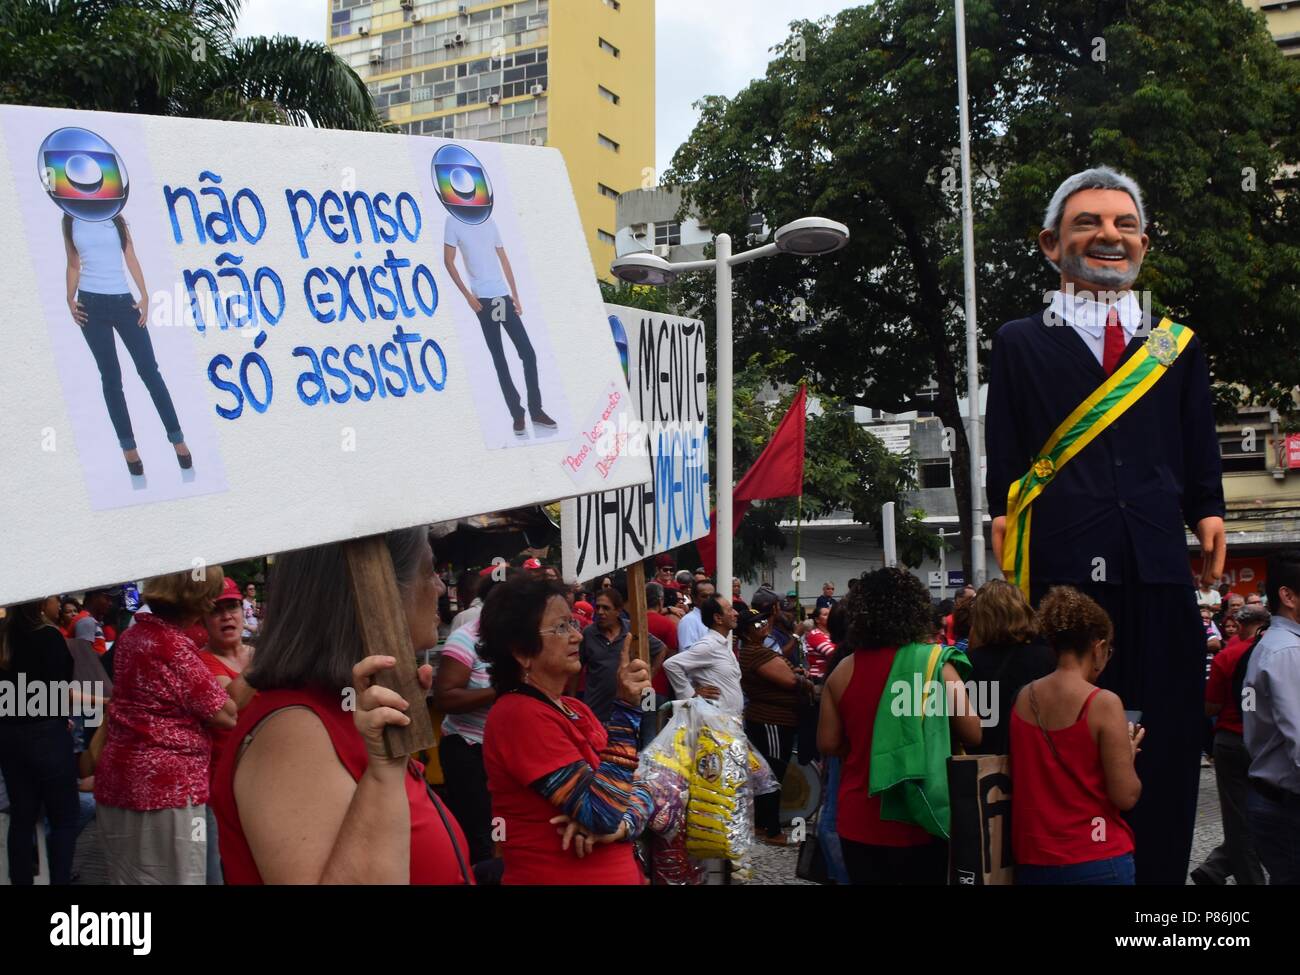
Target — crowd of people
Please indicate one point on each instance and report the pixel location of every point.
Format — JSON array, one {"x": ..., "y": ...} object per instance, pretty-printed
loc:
[{"x": 245, "y": 745}]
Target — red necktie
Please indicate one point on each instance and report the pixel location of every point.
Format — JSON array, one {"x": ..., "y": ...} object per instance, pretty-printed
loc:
[{"x": 1114, "y": 350}]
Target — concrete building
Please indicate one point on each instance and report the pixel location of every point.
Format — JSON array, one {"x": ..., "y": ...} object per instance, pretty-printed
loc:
[
  {"x": 647, "y": 221},
  {"x": 1283, "y": 18},
  {"x": 578, "y": 75}
]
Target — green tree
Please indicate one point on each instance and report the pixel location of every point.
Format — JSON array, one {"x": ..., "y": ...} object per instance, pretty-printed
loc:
[
  {"x": 172, "y": 57},
  {"x": 856, "y": 119}
]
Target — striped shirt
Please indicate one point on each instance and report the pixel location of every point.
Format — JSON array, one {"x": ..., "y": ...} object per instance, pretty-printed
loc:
[{"x": 462, "y": 646}]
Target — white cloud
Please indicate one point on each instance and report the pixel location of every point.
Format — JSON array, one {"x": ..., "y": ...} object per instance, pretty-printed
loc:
[{"x": 300, "y": 18}]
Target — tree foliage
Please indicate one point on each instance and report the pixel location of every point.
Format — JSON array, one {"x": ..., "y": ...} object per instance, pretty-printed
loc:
[
  {"x": 172, "y": 57},
  {"x": 856, "y": 119}
]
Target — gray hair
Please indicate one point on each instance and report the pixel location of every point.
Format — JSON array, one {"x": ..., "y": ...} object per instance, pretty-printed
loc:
[
  {"x": 312, "y": 637},
  {"x": 1097, "y": 178},
  {"x": 654, "y": 594},
  {"x": 1253, "y": 613}
]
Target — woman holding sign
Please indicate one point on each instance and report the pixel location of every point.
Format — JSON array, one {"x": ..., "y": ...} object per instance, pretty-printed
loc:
[{"x": 306, "y": 793}]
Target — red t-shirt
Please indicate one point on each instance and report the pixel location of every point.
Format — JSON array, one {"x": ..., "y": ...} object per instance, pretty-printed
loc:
[
  {"x": 1218, "y": 689},
  {"x": 436, "y": 850},
  {"x": 526, "y": 739},
  {"x": 158, "y": 748},
  {"x": 665, "y": 629},
  {"x": 820, "y": 650},
  {"x": 220, "y": 736}
]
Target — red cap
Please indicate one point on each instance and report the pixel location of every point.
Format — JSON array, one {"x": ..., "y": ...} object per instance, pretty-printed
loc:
[
  {"x": 664, "y": 560},
  {"x": 532, "y": 564},
  {"x": 230, "y": 590},
  {"x": 583, "y": 607}
]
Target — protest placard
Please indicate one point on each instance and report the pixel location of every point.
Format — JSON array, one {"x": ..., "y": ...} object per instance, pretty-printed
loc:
[
  {"x": 228, "y": 339},
  {"x": 665, "y": 358}
]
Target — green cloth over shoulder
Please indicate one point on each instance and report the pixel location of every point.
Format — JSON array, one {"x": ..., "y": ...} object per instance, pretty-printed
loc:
[{"x": 911, "y": 743}]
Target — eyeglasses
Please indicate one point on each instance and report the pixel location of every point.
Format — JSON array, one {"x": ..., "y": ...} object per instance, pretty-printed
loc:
[{"x": 561, "y": 629}]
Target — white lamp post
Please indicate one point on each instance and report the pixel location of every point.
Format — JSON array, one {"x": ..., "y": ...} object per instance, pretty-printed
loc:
[{"x": 807, "y": 237}]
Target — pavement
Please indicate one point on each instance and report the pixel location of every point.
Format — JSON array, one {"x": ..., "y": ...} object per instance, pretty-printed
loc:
[
  {"x": 776, "y": 865},
  {"x": 771, "y": 865}
]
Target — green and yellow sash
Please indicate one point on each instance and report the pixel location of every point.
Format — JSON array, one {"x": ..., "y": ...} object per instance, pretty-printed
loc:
[{"x": 1107, "y": 404}]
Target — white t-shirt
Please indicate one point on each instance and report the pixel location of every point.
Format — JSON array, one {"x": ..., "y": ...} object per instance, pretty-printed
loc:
[
  {"x": 1211, "y": 598},
  {"x": 709, "y": 661},
  {"x": 478, "y": 245}
]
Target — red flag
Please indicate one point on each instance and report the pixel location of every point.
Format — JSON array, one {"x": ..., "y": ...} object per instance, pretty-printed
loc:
[{"x": 778, "y": 473}]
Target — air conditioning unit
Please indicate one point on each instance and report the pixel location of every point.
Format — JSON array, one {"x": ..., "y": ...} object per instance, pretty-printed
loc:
[
  {"x": 448, "y": 40},
  {"x": 534, "y": 141},
  {"x": 363, "y": 31},
  {"x": 494, "y": 99},
  {"x": 463, "y": 10},
  {"x": 408, "y": 4},
  {"x": 417, "y": 19},
  {"x": 458, "y": 39},
  {"x": 376, "y": 57},
  {"x": 661, "y": 250},
  {"x": 537, "y": 90}
]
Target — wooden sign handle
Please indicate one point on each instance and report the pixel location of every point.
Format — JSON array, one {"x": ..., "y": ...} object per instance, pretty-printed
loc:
[
  {"x": 382, "y": 621},
  {"x": 636, "y": 610}
]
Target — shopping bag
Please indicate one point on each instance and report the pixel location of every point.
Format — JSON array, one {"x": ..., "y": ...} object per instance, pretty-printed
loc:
[{"x": 979, "y": 795}]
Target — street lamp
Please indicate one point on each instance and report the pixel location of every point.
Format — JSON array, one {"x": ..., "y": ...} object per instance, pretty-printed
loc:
[{"x": 807, "y": 237}]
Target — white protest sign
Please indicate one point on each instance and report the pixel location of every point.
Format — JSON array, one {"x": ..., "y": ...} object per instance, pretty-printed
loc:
[
  {"x": 665, "y": 358},
  {"x": 297, "y": 335}
]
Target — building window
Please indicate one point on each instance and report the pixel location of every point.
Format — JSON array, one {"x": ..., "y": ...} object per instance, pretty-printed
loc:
[
  {"x": 668, "y": 233},
  {"x": 606, "y": 142},
  {"x": 606, "y": 94},
  {"x": 608, "y": 48},
  {"x": 1233, "y": 450},
  {"x": 934, "y": 473},
  {"x": 605, "y": 237},
  {"x": 604, "y": 190}
]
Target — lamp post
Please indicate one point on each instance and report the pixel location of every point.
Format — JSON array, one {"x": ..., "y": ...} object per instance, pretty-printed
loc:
[{"x": 806, "y": 237}]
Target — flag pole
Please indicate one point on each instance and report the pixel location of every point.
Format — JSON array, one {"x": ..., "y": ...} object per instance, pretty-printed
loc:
[{"x": 798, "y": 531}]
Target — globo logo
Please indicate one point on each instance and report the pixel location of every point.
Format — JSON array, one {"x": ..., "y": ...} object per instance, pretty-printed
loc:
[
  {"x": 83, "y": 174},
  {"x": 463, "y": 184}
]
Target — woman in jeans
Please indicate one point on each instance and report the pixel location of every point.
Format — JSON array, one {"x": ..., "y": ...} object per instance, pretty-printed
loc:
[
  {"x": 100, "y": 301},
  {"x": 151, "y": 783},
  {"x": 36, "y": 753},
  {"x": 1072, "y": 753}
]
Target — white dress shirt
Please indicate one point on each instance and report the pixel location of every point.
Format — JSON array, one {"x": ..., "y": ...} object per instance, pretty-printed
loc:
[
  {"x": 691, "y": 629},
  {"x": 711, "y": 661},
  {"x": 1088, "y": 318}
]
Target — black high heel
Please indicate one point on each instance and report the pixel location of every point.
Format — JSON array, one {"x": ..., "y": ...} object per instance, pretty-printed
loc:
[
  {"x": 136, "y": 467},
  {"x": 185, "y": 460}
]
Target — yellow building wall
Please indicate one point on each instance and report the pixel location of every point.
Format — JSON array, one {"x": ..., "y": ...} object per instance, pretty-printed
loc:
[
  {"x": 1282, "y": 20},
  {"x": 578, "y": 113}
]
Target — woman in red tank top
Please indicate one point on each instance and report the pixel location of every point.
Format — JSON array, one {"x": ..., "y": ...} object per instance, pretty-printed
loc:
[
  {"x": 304, "y": 792},
  {"x": 1072, "y": 753},
  {"x": 887, "y": 609}
]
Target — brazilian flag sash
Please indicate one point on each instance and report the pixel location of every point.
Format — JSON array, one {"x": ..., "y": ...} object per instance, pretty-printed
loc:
[{"x": 1103, "y": 407}]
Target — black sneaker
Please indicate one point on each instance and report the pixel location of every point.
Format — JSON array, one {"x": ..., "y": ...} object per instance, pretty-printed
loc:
[
  {"x": 519, "y": 427},
  {"x": 542, "y": 420}
]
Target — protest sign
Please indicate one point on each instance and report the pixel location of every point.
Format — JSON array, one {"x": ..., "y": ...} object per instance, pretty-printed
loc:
[
  {"x": 664, "y": 357},
  {"x": 229, "y": 339}
]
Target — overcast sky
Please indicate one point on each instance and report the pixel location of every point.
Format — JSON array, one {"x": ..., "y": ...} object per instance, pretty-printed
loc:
[{"x": 703, "y": 47}]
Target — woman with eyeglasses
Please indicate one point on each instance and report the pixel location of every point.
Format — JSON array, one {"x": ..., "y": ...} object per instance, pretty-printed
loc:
[
  {"x": 561, "y": 781},
  {"x": 1072, "y": 755},
  {"x": 226, "y": 656}
]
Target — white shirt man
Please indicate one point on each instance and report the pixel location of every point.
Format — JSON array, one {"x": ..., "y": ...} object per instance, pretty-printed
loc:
[{"x": 710, "y": 661}]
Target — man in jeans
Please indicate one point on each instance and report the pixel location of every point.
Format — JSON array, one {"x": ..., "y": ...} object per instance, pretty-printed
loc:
[
  {"x": 494, "y": 298},
  {"x": 1271, "y": 709}
]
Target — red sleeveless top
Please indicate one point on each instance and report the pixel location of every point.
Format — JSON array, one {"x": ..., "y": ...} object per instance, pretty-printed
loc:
[
  {"x": 437, "y": 850},
  {"x": 1060, "y": 815},
  {"x": 858, "y": 817}
]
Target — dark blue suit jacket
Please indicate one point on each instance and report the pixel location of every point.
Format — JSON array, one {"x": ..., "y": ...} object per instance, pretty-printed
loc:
[{"x": 1126, "y": 496}]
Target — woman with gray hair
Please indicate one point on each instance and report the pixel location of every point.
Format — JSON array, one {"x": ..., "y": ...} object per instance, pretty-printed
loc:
[{"x": 306, "y": 794}]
